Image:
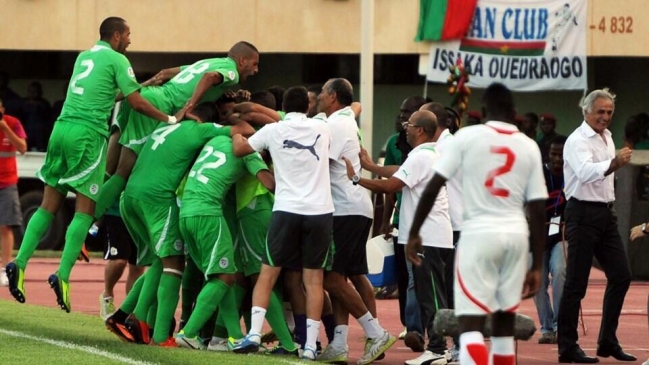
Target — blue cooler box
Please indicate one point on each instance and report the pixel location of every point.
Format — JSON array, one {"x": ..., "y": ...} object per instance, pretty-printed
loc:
[{"x": 381, "y": 262}]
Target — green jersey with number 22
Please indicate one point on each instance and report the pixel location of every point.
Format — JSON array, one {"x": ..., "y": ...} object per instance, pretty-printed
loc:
[
  {"x": 212, "y": 175},
  {"x": 98, "y": 75}
]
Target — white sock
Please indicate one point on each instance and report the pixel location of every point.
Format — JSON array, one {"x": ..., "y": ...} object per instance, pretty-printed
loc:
[
  {"x": 312, "y": 330},
  {"x": 370, "y": 326},
  {"x": 257, "y": 319},
  {"x": 503, "y": 347},
  {"x": 340, "y": 336},
  {"x": 288, "y": 314}
]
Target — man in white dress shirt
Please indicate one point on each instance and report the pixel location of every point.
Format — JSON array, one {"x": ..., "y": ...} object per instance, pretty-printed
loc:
[{"x": 591, "y": 229}]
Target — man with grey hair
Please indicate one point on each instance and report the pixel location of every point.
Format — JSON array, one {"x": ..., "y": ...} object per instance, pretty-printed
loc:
[{"x": 591, "y": 229}]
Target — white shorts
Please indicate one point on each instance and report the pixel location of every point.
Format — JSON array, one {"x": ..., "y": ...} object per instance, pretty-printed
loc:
[{"x": 490, "y": 271}]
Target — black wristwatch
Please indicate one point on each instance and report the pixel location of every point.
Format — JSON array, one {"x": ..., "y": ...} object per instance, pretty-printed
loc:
[
  {"x": 356, "y": 179},
  {"x": 644, "y": 228}
]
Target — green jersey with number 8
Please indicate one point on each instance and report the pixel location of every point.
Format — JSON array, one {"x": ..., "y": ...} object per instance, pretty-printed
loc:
[
  {"x": 212, "y": 175},
  {"x": 180, "y": 88},
  {"x": 98, "y": 75},
  {"x": 165, "y": 158}
]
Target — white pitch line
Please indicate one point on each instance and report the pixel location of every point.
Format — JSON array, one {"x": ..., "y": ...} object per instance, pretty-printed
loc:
[{"x": 70, "y": 345}]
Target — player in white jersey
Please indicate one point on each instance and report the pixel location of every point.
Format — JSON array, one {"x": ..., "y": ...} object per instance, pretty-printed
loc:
[{"x": 501, "y": 173}]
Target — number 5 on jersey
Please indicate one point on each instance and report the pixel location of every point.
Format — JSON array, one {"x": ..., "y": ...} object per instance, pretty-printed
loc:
[{"x": 501, "y": 170}]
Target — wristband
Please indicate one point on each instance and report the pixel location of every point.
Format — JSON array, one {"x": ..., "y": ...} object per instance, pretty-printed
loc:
[{"x": 171, "y": 119}]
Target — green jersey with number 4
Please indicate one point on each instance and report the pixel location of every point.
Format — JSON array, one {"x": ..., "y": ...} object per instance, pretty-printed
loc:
[
  {"x": 165, "y": 158},
  {"x": 180, "y": 88},
  {"x": 98, "y": 75},
  {"x": 212, "y": 175}
]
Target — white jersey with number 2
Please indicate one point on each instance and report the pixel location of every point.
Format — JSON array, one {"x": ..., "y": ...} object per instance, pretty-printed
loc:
[{"x": 501, "y": 171}]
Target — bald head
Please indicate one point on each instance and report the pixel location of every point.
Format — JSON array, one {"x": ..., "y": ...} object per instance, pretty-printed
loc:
[{"x": 425, "y": 119}]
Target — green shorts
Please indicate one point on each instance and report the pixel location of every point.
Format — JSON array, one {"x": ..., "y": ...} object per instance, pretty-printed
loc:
[
  {"x": 153, "y": 226},
  {"x": 210, "y": 244},
  {"x": 253, "y": 229},
  {"x": 230, "y": 216},
  {"x": 75, "y": 160},
  {"x": 136, "y": 127}
]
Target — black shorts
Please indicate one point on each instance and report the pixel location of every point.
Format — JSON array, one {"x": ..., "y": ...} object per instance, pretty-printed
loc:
[
  {"x": 296, "y": 240},
  {"x": 350, "y": 238},
  {"x": 119, "y": 244}
]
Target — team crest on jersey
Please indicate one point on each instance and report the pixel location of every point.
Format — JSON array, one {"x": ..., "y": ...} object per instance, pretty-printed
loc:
[
  {"x": 231, "y": 75},
  {"x": 94, "y": 188},
  {"x": 178, "y": 245},
  {"x": 131, "y": 72},
  {"x": 224, "y": 262}
]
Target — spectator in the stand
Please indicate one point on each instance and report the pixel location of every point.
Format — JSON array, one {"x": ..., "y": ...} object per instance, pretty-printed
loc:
[
  {"x": 12, "y": 102},
  {"x": 529, "y": 123},
  {"x": 548, "y": 124},
  {"x": 278, "y": 93},
  {"x": 636, "y": 132},
  {"x": 12, "y": 140},
  {"x": 38, "y": 117},
  {"x": 554, "y": 259}
]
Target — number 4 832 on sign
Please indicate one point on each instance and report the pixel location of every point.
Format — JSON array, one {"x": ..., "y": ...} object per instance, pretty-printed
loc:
[{"x": 615, "y": 25}]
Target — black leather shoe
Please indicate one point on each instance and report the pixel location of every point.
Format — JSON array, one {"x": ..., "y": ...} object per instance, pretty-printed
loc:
[
  {"x": 617, "y": 353},
  {"x": 577, "y": 356}
]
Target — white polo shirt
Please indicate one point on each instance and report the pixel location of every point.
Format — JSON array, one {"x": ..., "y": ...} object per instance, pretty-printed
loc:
[
  {"x": 501, "y": 171},
  {"x": 453, "y": 185},
  {"x": 299, "y": 147},
  {"x": 416, "y": 172},
  {"x": 586, "y": 157},
  {"x": 348, "y": 199}
]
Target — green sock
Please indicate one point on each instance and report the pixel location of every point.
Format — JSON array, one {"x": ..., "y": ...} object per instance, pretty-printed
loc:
[
  {"x": 109, "y": 194},
  {"x": 168, "y": 294},
  {"x": 36, "y": 228},
  {"x": 230, "y": 314},
  {"x": 220, "y": 330},
  {"x": 239, "y": 293},
  {"x": 149, "y": 290},
  {"x": 150, "y": 317},
  {"x": 74, "y": 237},
  {"x": 191, "y": 286},
  {"x": 275, "y": 317},
  {"x": 129, "y": 303},
  {"x": 206, "y": 303}
]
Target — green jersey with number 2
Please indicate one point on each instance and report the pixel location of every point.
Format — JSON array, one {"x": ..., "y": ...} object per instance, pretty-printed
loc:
[
  {"x": 98, "y": 75},
  {"x": 180, "y": 88},
  {"x": 165, "y": 158},
  {"x": 212, "y": 175}
]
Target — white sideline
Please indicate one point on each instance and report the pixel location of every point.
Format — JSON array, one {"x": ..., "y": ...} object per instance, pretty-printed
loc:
[{"x": 69, "y": 345}]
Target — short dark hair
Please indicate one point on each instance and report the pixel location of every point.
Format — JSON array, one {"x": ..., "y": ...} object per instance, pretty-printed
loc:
[
  {"x": 343, "y": 89},
  {"x": 264, "y": 98},
  {"x": 533, "y": 117},
  {"x": 558, "y": 140},
  {"x": 440, "y": 112},
  {"x": 499, "y": 102},
  {"x": 111, "y": 25},
  {"x": 224, "y": 99},
  {"x": 242, "y": 49},
  {"x": 296, "y": 99},
  {"x": 314, "y": 89},
  {"x": 207, "y": 112}
]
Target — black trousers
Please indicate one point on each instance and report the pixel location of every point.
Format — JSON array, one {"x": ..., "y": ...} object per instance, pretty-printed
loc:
[
  {"x": 430, "y": 290},
  {"x": 402, "y": 277},
  {"x": 592, "y": 231}
]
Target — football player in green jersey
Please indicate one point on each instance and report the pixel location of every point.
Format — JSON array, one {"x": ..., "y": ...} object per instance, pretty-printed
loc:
[
  {"x": 207, "y": 235},
  {"x": 150, "y": 212},
  {"x": 202, "y": 81},
  {"x": 75, "y": 161}
]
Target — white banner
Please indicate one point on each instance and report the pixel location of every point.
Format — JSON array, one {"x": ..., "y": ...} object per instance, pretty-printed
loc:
[{"x": 528, "y": 45}]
